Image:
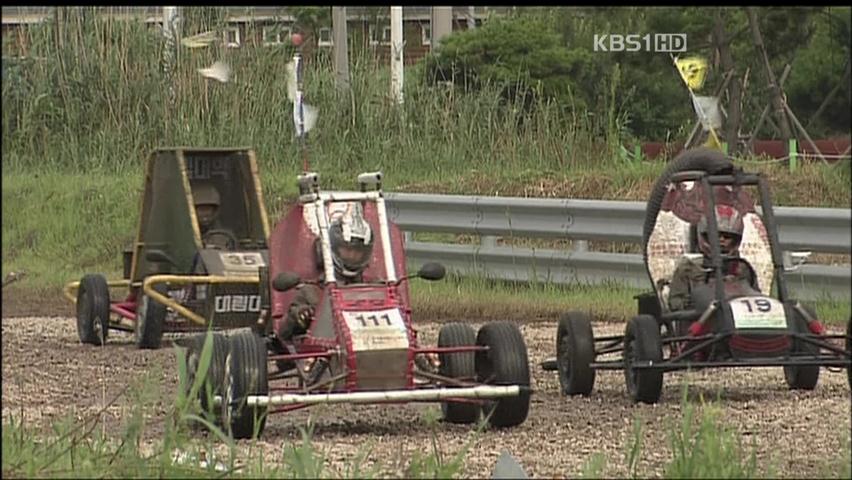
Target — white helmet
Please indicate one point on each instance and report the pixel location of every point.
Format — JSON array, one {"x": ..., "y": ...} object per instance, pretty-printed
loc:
[{"x": 351, "y": 241}]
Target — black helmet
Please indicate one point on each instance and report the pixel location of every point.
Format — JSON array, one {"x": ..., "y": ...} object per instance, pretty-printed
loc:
[
  {"x": 205, "y": 194},
  {"x": 351, "y": 241},
  {"x": 729, "y": 221}
]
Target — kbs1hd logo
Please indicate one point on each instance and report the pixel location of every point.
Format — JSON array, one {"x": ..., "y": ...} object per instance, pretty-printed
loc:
[{"x": 657, "y": 42}]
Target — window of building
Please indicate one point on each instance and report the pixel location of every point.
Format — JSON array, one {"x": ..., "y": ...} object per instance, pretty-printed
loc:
[
  {"x": 325, "y": 37},
  {"x": 386, "y": 35},
  {"x": 426, "y": 35},
  {"x": 232, "y": 36},
  {"x": 275, "y": 34}
]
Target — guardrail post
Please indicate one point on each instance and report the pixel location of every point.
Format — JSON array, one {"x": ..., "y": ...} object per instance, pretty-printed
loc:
[
  {"x": 793, "y": 153},
  {"x": 488, "y": 241},
  {"x": 581, "y": 245}
]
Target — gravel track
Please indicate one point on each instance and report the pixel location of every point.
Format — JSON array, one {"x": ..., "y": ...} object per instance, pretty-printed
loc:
[{"x": 48, "y": 375}]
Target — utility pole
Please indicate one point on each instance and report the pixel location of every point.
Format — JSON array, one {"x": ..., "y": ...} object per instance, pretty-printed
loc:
[
  {"x": 171, "y": 32},
  {"x": 341, "y": 47},
  {"x": 397, "y": 46},
  {"x": 775, "y": 91},
  {"x": 471, "y": 18},
  {"x": 722, "y": 40},
  {"x": 442, "y": 24}
]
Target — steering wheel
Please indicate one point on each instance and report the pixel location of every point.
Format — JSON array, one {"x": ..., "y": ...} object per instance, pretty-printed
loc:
[{"x": 231, "y": 241}]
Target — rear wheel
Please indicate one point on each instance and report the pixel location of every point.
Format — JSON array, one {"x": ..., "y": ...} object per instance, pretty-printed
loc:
[
  {"x": 93, "y": 309},
  {"x": 150, "y": 318},
  {"x": 505, "y": 362},
  {"x": 803, "y": 377},
  {"x": 212, "y": 384},
  {"x": 245, "y": 375},
  {"x": 575, "y": 351},
  {"x": 642, "y": 343},
  {"x": 459, "y": 365}
]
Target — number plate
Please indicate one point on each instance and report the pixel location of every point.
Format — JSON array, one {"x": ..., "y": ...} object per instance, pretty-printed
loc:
[
  {"x": 377, "y": 330},
  {"x": 758, "y": 312}
]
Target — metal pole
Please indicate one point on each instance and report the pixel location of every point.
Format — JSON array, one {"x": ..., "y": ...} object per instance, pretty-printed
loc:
[
  {"x": 341, "y": 47},
  {"x": 298, "y": 102},
  {"x": 397, "y": 46},
  {"x": 442, "y": 24}
]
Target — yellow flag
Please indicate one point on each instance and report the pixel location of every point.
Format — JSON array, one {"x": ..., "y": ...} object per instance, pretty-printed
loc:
[
  {"x": 713, "y": 141},
  {"x": 693, "y": 70}
]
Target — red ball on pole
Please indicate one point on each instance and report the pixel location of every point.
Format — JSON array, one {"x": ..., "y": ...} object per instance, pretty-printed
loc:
[{"x": 296, "y": 38}]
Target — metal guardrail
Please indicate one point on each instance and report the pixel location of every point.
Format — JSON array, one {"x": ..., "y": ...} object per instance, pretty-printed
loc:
[{"x": 823, "y": 230}]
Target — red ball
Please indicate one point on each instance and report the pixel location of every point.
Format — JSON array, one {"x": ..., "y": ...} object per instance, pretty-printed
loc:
[{"x": 296, "y": 38}]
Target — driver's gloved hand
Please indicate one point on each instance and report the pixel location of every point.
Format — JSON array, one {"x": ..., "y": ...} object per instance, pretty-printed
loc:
[{"x": 304, "y": 316}]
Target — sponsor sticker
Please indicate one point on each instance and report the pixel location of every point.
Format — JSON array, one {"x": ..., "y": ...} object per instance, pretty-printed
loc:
[{"x": 237, "y": 303}]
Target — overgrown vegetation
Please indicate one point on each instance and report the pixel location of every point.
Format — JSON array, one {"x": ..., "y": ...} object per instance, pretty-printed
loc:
[
  {"x": 551, "y": 54},
  {"x": 88, "y": 93},
  {"x": 106, "y": 109}
]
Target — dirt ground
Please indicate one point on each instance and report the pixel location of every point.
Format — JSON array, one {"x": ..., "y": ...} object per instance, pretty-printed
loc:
[{"x": 48, "y": 375}]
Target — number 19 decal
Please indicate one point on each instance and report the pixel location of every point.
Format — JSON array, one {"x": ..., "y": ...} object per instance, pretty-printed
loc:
[
  {"x": 758, "y": 312},
  {"x": 761, "y": 305}
]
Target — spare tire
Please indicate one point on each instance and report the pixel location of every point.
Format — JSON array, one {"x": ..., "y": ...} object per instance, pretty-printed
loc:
[{"x": 704, "y": 159}]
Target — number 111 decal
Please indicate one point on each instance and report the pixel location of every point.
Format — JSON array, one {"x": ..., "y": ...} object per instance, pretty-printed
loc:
[{"x": 374, "y": 320}]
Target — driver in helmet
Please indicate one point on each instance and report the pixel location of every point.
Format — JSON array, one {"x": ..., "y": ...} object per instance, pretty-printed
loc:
[
  {"x": 351, "y": 240},
  {"x": 688, "y": 273},
  {"x": 207, "y": 200}
]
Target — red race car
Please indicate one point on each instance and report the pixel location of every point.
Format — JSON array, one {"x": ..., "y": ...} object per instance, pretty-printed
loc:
[{"x": 358, "y": 344}]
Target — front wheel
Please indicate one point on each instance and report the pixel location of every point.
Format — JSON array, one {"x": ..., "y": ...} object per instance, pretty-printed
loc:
[
  {"x": 642, "y": 344},
  {"x": 458, "y": 365},
  {"x": 93, "y": 309},
  {"x": 505, "y": 362},
  {"x": 150, "y": 318},
  {"x": 575, "y": 351},
  {"x": 803, "y": 377},
  {"x": 214, "y": 375},
  {"x": 245, "y": 375}
]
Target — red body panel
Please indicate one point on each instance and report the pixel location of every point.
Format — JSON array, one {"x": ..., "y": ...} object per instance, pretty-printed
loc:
[{"x": 291, "y": 248}]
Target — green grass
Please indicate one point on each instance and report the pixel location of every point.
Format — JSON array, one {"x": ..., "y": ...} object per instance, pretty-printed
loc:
[
  {"x": 59, "y": 226},
  {"x": 478, "y": 298}
]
